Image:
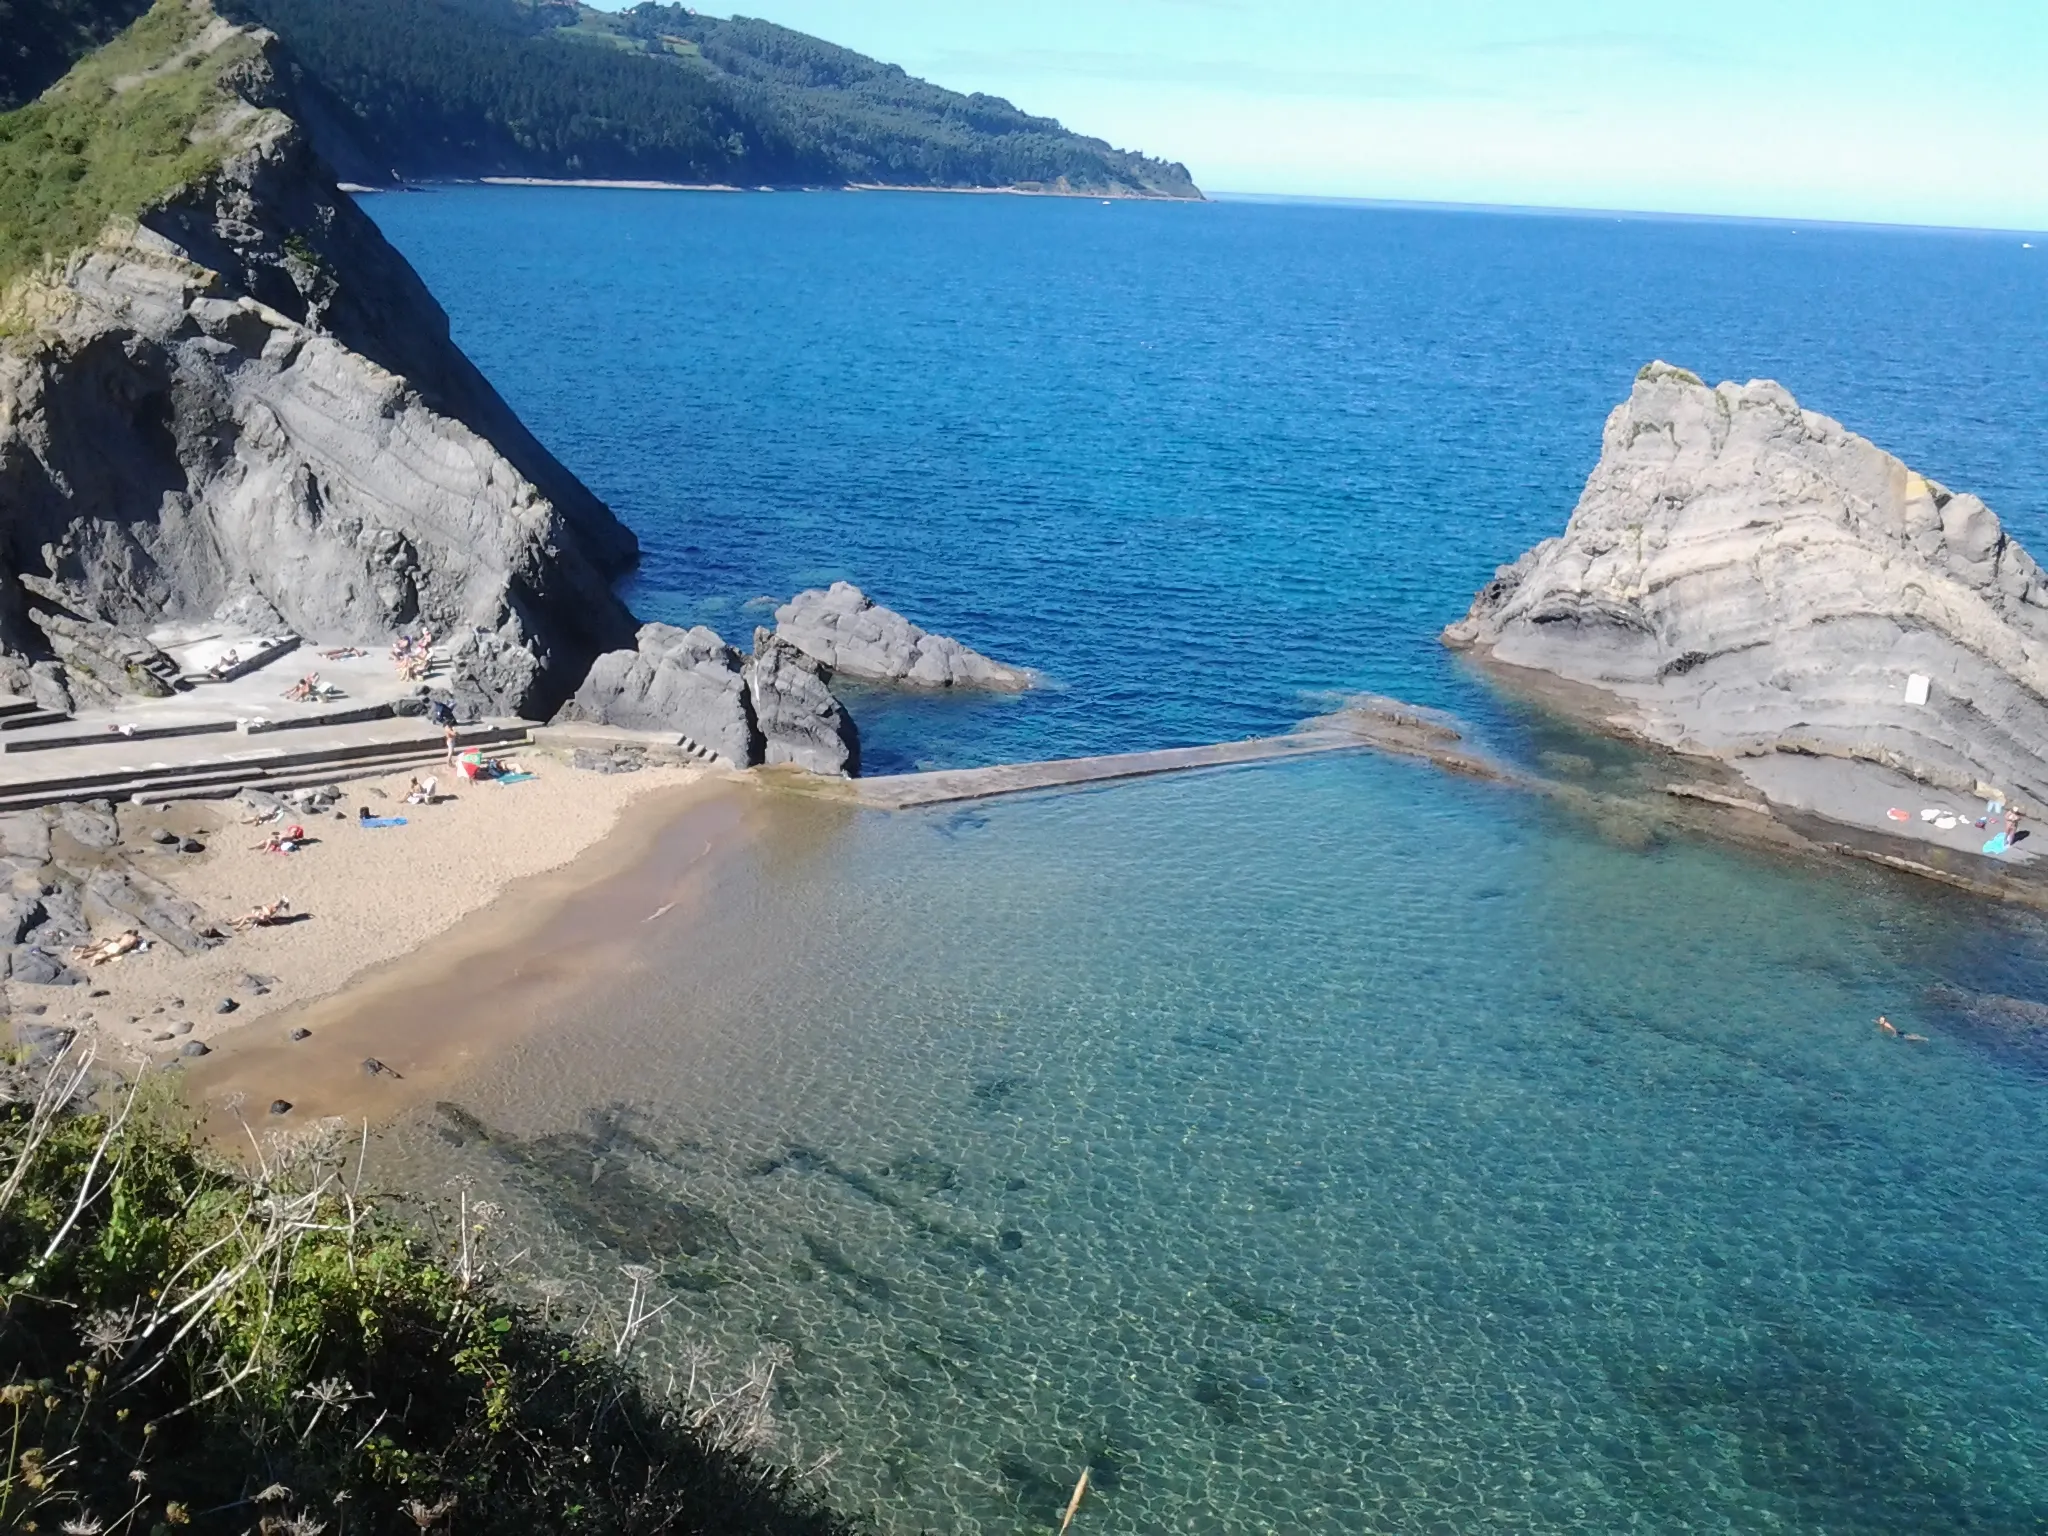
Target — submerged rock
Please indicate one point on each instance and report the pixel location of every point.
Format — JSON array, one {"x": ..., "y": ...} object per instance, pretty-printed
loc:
[
  {"x": 682, "y": 680},
  {"x": 800, "y": 720},
  {"x": 846, "y": 630},
  {"x": 1750, "y": 577}
]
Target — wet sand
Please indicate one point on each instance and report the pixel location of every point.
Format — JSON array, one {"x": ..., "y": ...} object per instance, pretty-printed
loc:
[{"x": 429, "y": 1017}]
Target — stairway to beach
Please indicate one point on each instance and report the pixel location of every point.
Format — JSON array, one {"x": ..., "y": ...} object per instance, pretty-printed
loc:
[{"x": 43, "y": 761}]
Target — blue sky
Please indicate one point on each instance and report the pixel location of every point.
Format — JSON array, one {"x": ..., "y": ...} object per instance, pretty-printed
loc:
[{"x": 1915, "y": 111}]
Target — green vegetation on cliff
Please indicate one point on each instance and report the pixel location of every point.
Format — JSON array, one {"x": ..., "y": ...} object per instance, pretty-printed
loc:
[
  {"x": 123, "y": 129},
  {"x": 185, "y": 1348},
  {"x": 459, "y": 88}
]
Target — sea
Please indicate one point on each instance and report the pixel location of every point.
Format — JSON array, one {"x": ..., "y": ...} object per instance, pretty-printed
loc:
[{"x": 1328, "y": 1146}]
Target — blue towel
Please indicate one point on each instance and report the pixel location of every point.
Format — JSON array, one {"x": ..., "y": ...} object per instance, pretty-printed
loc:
[
  {"x": 515, "y": 778},
  {"x": 381, "y": 821},
  {"x": 1996, "y": 845}
]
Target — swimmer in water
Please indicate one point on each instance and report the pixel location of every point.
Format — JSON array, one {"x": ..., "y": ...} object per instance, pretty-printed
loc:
[{"x": 1885, "y": 1026}]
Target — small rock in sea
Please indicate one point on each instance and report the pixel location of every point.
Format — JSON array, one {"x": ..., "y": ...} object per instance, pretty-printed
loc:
[
  {"x": 302, "y": 1034},
  {"x": 280, "y": 1106},
  {"x": 163, "y": 836},
  {"x": 182, "y": 1027},
  {"x": 1016, "y": 1183},
  {"x": 1011, "y": 1241},
  {"x": 195, "y": 1048},
  {"x": 191, "y": 845},
  {"x": 226, "y": 1005}
]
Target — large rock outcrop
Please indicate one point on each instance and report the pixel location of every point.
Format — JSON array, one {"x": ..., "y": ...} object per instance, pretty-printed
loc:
[
  {"x": 244, "y": 388},
  {"x": 800, "y": 719},
  {"x": 1750, "y": 577},
  {"x": 682, "y": 680},
  {"x": 846, "y": 630},
  {"x": 774, "y": 707}
]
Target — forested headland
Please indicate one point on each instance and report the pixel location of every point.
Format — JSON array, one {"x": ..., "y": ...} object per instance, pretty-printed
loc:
[{"x": 421, "y": 90}]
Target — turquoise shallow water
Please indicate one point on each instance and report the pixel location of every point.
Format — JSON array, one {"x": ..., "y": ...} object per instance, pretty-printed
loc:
[
  {"x": 1323, "y": 1148},
  {"x": 1333, "y": 1147}
]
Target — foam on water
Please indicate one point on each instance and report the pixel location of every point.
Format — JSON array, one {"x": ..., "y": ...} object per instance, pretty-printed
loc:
[{"x": 1438, "y": 1168}]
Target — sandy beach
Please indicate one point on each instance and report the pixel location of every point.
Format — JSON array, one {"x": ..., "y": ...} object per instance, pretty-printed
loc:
[{"x": 363, "y": 898}]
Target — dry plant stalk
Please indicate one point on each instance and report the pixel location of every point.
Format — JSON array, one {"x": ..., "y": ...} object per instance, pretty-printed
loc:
[{"x": 1074, "y": 1504}]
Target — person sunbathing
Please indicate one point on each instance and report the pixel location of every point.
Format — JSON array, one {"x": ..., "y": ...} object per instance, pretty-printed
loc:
[
  {"x": 228, "y": 662},
  {"x": 307, "y": 687},
  {"x": 264, "y": 916},
  {"x": 417, "y": 793},
  {"x": 345, "y": 653},
  {"x": 285, "y": 841},
  {"x": 107, "y": 949}
]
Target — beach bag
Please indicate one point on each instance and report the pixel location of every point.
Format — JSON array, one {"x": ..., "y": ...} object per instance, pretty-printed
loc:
[{"x": 440, "y": 713}]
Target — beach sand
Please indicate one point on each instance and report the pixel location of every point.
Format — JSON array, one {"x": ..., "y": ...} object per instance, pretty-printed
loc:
[
  {"x": 365, "y": 897},
  {"x": 416, "y": 1025}
]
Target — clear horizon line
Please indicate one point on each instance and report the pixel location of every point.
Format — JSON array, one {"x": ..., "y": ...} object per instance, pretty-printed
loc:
[{"x": 1572, "y": 210}]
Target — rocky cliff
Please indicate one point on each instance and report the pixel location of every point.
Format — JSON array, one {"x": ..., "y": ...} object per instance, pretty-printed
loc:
[
  {"x": 1749, "y": 577},
  {"x": 239, "y": 387}
]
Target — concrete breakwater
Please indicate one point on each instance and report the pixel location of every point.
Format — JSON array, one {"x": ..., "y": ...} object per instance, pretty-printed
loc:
[{"x": 1383, "y": 724}]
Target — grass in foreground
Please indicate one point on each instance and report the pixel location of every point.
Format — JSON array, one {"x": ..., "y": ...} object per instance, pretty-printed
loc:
[
  {"x": 110, "y": 138},
  {"x": 185, "y": 1348}
]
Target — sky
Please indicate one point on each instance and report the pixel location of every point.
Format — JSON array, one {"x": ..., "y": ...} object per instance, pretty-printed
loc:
[{"x": 1892, "y": 111}]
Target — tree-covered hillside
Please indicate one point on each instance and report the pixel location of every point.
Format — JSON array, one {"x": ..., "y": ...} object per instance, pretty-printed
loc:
[
  {"x": 423, "y": 89},
  {"x": 40, "y": 39}
]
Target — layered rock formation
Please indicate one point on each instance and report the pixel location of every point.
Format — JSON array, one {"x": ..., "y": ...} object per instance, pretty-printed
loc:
[
  {"x": 245, "y": 390},
  {"x": 844, "y": 629},
  {"x": 1749, "y": 577}
]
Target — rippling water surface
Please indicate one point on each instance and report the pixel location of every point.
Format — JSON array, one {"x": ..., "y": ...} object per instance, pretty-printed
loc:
[{"x": 1328, "y": 1147}]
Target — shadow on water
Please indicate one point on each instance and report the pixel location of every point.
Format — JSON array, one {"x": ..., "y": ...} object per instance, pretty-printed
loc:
[
  {"x": 1825, "y": 1444},
  {"x": 585, "y": 1180}
]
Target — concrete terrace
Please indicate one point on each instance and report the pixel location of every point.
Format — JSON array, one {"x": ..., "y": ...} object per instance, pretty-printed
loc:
[{"x": 217, "y": 737}]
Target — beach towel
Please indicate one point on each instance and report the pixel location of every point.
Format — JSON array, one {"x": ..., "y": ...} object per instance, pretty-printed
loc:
[
  {"x": 1996, "y": 845},
  {"x": 380, "y": 821},
  {"x": 515, "y": 778},
  {"x": 1898, "y": 815}
]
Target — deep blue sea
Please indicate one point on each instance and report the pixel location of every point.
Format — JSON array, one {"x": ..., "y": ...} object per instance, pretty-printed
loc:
[{"x": 1331, "y": 1147}]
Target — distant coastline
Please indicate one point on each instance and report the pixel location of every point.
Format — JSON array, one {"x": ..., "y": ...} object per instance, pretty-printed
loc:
[{"x": 1113, "y": 194}]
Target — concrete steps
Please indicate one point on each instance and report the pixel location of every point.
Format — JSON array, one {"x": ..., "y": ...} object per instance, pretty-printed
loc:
[
  {"x": 65, "y": 732},
  {"x": 221, "y": 776},
  {"x": 30, "y": 719}
]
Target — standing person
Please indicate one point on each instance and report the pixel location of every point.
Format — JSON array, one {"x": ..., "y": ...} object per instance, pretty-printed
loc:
[
  {"x": 2012, "y": 823},
  {"x": 448, "y": 737}
]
